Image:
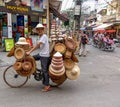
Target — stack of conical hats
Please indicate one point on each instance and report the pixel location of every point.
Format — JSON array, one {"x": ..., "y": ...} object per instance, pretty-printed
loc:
[{"x": 57, "y": 69}]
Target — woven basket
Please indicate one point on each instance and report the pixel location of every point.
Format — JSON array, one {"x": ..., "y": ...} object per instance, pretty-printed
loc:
[{"x": 60, "y": 47}]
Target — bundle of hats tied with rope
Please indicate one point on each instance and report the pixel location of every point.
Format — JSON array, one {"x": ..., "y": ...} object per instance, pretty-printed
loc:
[
  {"x": 24, "y": 65},
  {"x": 63, "y": 56},
  {"x": 64, "y": 61}
]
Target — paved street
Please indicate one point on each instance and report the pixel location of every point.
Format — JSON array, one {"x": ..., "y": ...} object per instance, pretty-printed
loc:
[{"x": 97, "y": 86}]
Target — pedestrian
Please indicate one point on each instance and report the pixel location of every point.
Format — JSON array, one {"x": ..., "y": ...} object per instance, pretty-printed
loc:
[
  {"x": 83, "y": 42},
  {"x": 43, "y": 55}
]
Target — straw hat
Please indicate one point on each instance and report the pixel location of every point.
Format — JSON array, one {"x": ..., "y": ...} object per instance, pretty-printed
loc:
[
  {"x": 60, "y": 47},
  {"x": 55, "y": 72},
  {"x": 24, "y": 73},
  {"x": 70, "y": 44},
  {"x": 57, "y": 60},
  {"x": 19, "y": 53},
  {"x": 31, "y": 71},
  {"x": 68, "y": 63},
  {"x": 74, "y": 73},
  {"x": 56, "y": 63},
  {"x": 68, "y": 54},
  {"x": 74, "y": 58},
  {"x": 57, "y": 55},
  {"x": 32, "y": 60},
  {"x": 27, "y": 66},
  {"x": 17, "y": 66},
  {"x": 39, "y": 26},
  {"x": 22, "y": 41},
  {"x": 57, "y": 67}
]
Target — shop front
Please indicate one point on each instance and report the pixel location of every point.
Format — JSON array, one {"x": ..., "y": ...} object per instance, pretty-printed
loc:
[{"x": 17, "y": 19}]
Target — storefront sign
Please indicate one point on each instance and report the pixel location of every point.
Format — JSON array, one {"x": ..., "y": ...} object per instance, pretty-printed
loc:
[
  {"x": 9, "y": 44},
  {"x": 15, "y": 8},
  {"x": 22, "y": 7}
]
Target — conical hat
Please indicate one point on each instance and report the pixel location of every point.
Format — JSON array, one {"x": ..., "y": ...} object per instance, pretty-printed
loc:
[{"x": 74, "y": 73}]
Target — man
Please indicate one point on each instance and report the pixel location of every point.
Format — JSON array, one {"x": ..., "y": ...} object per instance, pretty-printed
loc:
[
  {"x": 83, "y": 42},
  {"x": 43, "y": 55}
]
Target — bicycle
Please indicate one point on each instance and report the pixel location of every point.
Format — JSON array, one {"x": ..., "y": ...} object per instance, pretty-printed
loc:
[{"x": 14, "y": 80}]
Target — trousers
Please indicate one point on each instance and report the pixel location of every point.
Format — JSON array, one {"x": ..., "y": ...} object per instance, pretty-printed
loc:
[{"x": 45, "y": 61}]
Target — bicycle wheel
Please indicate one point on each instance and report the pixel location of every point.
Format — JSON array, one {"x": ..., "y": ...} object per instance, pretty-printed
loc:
[{"x": 13, "y": 79}]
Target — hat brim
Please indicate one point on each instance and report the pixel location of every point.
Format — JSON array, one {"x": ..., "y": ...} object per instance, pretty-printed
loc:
[
  {"x": 22, "y": 43},
  {"x": 70, "y": 76}
]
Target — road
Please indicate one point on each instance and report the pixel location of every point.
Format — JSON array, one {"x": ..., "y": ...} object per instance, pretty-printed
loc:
[{"x": 97, "y": 86}]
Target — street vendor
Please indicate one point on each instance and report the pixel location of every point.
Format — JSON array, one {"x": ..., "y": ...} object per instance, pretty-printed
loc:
[{"x": 43, "y": 55}]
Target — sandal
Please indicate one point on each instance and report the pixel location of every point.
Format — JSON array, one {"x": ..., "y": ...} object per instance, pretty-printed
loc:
[{"x": 46, "y": 89}]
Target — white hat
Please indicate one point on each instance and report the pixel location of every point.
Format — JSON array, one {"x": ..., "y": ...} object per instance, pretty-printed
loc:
[
  {"x": 22, "y": 41},
  {"x": 74, "y": 73},
  {"x": 39, "y": 26}
]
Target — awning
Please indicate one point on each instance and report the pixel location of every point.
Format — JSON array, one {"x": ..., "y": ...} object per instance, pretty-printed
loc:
[
  {"x": 109, "y": 31},
  {"x": 57, "y": 14},
  {"x": 103, "y": 26}
]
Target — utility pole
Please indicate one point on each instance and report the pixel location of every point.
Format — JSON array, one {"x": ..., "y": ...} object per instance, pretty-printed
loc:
[
  {"x": 77, "y": 15},
  {"x": 48, "y": 18}
]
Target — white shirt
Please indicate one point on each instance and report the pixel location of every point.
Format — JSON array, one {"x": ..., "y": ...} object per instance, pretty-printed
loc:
[{"x": 44, "y": 47}]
